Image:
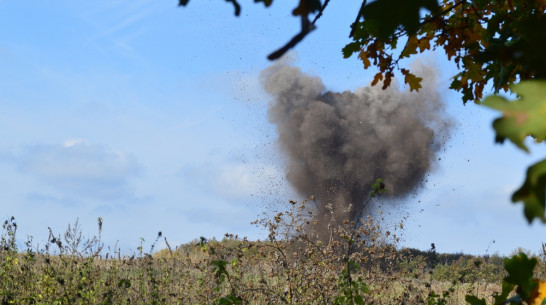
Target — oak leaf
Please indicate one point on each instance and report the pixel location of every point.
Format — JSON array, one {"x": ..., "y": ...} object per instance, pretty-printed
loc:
[
  {"x": 364, "y": 57},
  {"x": 532, "y": 192},
  {"x": 522, "y": 117},
  {"x": 538, "y": 295},
  {"x": 413, "y": 81},
  {"x": 377, "y": 78},
  {"x": 424, "y": 44},
  {"x": 411, "y": 47}
]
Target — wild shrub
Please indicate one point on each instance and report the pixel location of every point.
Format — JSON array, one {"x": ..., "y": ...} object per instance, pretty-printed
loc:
[{"x": 359, "y": 263}]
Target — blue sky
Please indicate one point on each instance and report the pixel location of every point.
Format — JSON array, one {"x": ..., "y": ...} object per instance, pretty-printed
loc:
[{"x": 153, "y": 117}]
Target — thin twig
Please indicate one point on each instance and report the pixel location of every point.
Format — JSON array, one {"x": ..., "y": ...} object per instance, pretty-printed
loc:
[
  {"x": 360, "y": 214},
  {"x": 442, "y": 12},
  {"x": 236, "y": 6},
  {"x": 306, "y": 28},
  {"x": 358, "y": 16},
  {"x": 320, "y": 12}
]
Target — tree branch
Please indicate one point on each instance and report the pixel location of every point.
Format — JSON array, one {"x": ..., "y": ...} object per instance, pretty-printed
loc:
[
  {"x": 358, "y": 16},
  {"x": 320, "y": 12},
  {"x": 442, "y": 12},
  {"x": 306, "y": 28},
  {"x": 237, "y": 7}
]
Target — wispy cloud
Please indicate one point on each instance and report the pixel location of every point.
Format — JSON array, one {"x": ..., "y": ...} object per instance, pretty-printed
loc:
[
  {"x": 119, "y": 23},
  {"x": 80, "y": 169}
]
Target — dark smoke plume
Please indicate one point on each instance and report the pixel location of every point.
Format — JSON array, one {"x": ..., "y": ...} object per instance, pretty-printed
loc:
[{"x": 338, "y": 144}]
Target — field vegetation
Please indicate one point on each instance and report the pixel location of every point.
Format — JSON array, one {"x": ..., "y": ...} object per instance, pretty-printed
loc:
[{"x": 358, "y": 264}]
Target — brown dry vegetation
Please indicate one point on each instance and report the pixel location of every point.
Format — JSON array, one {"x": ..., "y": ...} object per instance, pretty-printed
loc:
[{"x": 358, "y": 264}]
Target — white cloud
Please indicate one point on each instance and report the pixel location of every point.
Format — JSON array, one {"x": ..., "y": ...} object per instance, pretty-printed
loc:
[
  {"x": 72, "y": 142},
  {"x": 80, "y": 169}
]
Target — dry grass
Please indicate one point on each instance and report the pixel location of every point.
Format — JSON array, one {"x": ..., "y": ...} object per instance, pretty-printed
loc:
[{"x": 356, "y": 264}]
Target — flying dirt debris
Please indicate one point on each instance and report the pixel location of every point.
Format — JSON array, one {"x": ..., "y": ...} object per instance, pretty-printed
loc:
[{"x": 337, "y": 144}]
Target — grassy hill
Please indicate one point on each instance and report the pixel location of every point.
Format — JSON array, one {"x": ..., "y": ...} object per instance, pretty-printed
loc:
[{"x": 360, "y": 266}]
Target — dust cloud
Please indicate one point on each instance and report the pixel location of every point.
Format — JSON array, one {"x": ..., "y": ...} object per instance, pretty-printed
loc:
[{"x": 336, "y": 144}]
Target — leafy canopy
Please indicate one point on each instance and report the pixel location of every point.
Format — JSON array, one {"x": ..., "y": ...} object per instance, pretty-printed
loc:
[{"x": 489, "y": 40}]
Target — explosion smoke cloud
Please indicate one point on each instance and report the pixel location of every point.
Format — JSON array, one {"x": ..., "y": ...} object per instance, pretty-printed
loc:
[{"x": 338, "y": 144}]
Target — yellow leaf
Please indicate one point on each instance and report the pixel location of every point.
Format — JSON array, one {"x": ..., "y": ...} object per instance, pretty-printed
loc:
[
  {"x": 413, "y": 81},
  {"x": 478, "y": 90},
  {"x": 450, "y": 52},
  {"x": 387, "y": 81},
  {"x": 424, "y": 44},
  {"x": 377, "y": 78},
  {"x": 538, "y": 295},
  {"x": 474, "y": 70},
  {"x": 364, "y": 57},
  {"x": 411, "y": 47}
]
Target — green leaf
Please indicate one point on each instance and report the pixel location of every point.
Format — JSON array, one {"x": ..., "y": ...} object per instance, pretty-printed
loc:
[
  {"x": 359, "y": 300},
  {"x": 351, "y": 48},
  {"x": 125, "y": 283},
  {"x": 474, "y": 300},
  {"x": 364, "y": 288},
  {"x": 520, "y": 273},
  {"x": 378, "y": 188},
  {"x": 467, "y": 94},
  {"x": 220, "y": 270},
  {"x": 532, "y": 192},
  {"x": 506, "y": 290},
  {"x": 523, "y": 117},
  {"x": 228, "y": 300},
  {"x": 455, "y": 84},
  {"x": 353, "y": 265},
  {"x": 388, "y": 15}
]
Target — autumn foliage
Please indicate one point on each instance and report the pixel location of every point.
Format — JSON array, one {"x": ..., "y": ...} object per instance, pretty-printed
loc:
[{"x": 496, "y": 41}]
